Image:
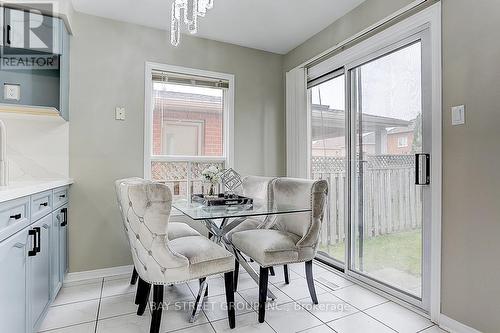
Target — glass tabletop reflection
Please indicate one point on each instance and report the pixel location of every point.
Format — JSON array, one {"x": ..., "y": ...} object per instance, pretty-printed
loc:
[{"x": 198, "y": 211}]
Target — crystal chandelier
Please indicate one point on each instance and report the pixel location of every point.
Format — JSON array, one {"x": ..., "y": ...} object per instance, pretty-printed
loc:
[{"x": 191, "y": 10}]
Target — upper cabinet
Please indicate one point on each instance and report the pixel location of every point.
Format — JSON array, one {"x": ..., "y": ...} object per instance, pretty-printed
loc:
[
  {"x": 35, "y": 62},
  {"x": 32, "y": 31}
]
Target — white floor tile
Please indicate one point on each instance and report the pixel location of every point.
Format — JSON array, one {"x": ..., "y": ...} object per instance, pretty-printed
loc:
[
  {"x": 290, "y": 317},
  {"x": 78, "y": 293},
  {"x": 125, "y": 324},
  {"x": 399, "y": 318},
  {"x": 70, "y": 314},
  {"x": 177, "y": 292},
  {"x": 319, "y": 329},
  {"x": 215, "y": 307},
  {"x": 359, "y": 323},
  {"x": 297, "y": 289},
  {"x": 433, "y": 329},
  {"x": 117, "y": 287},
  {"x": 204, "y": 328},
  {"x": 332, "y": 280},
  {"x": 247, "y": 323},
  {"x": 117, "y": 305},
  {"x": 252, "y": 296},
  {"x": 216, "y": 286},
  {"x": 81, "y": 328},
  {"x": 359, "y": 297},
  {"x": 176, "y": 316},
  {"x": 329, "y": 307},
  {"x": 299, "y": 268},
  {"x": 279, "y": 275}
]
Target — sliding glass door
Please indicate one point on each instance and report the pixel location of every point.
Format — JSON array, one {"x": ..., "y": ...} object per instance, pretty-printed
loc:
[
  {"x": 387, "y": 223},
  {"x": 370, "y": 135}
]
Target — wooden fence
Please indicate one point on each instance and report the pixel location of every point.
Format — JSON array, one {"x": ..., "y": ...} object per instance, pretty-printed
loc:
[{"x": 391, "y": 201}]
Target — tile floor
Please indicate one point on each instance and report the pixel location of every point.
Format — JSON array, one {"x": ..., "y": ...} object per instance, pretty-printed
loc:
[{"x": 107, "y": 306}]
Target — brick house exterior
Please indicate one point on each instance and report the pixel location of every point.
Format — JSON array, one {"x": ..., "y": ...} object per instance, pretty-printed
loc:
[{"x": 200, "y": 110}]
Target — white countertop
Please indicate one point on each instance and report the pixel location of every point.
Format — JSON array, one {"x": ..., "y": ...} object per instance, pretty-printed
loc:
[{"x": 18, "y": 189}]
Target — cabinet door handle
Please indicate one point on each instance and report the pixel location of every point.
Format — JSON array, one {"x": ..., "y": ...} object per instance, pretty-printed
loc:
[
  {"x": 62, "y": 196},
  {"x": 32, "y": 253},
  {"x": 39, "y": 238},
  {"x": 64, "y": 211},
  {"x": 8, "y": 34},
  {"x": 16, "y": 217},
  {"x": 45, "y": 204}
]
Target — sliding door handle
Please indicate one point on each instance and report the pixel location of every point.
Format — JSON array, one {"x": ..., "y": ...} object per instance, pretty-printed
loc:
[{"x": 422, "y": 169}]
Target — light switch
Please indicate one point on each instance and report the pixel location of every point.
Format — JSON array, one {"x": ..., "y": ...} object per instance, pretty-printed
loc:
[
  {"x": 12, "y": 91},
  {"x": 458, "y": 115},
  {"x": 120, "y": 113}
]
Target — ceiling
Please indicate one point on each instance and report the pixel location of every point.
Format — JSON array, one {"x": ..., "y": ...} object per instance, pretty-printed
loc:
[{"x": 270, "y": 25}]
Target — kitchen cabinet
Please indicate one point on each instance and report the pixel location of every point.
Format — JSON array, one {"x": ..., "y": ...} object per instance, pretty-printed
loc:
[
  {"x": 48, "y": 41},
  {"x": 39, "y": 265},
  {"x": 58, "y": 257},
  {"x": 63, "y": 244},
  {"x": 33, "y": 260},
  {"x": 13, "y": 276},
  {"x": 44, "y": 36}
]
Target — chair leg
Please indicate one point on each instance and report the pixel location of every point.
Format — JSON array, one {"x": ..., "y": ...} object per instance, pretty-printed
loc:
[
  {"x": 310, "y": 281},
  {"x": 263, "y": 279},
  {"x": 201, "y": 282},
  {"x": 228, "y": 277},
  {"x": 157, "y": 307},
  {"x": 236, "y": 273},
  {"x": 139, "y": 292},
  {"x": 143, "y": 296},
  {"x": 285, "y": 271},
  {"x": 271, "y": 271},
  {"x": 133, "y": 280}
]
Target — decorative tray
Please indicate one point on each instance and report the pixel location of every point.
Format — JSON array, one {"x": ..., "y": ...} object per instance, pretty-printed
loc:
[{"x": 222, "y": 200}]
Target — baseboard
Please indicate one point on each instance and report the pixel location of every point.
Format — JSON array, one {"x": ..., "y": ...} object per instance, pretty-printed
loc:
[
  {"x": 98, "y": 273},
  {"x": 453, "y": 326}
]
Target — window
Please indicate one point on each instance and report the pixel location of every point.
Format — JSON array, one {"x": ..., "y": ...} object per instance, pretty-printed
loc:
[
  {"x": 188, "y": 125},
  {"x": 402, "y": 142}
]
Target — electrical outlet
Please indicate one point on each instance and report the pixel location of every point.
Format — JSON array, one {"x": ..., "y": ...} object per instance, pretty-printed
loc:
[
  {"x": 120, "y": 113},
  {"x": 12, "y": 91}
]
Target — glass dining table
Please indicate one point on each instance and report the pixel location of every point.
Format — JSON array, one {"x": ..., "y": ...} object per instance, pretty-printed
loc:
[{"x": 219, "y": 220}]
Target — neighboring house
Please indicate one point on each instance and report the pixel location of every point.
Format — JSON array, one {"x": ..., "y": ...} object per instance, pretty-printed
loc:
[
  {"x": 400, "y": 140},
  {"x": 191, "y": 126},
  {"x": 381, "y": 135}
]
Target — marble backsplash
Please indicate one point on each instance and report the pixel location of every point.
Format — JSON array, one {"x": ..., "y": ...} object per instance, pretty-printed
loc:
[{"x": 37, "y": 146}]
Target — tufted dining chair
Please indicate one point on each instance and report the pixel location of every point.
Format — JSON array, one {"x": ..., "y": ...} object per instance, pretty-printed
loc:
[
  {"x": 292, "y": 238},
  {"x": 259, "y": 189},
  {"x": 176, "y": 230},
  {"x": 162, "y": 261}
]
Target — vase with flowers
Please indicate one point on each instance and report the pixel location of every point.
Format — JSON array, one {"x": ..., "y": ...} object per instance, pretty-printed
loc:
[{"x": 211, "y": 175}]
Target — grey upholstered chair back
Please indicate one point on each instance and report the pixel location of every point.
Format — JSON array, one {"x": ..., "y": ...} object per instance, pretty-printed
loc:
[
  {"x": 303, "y": 193},
  {"x": 257, "y": 188},
  {"x": 146, "y": 208}
]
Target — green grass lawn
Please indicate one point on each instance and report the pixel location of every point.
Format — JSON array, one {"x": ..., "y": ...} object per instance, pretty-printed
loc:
[{"x": 398, "y": 251}]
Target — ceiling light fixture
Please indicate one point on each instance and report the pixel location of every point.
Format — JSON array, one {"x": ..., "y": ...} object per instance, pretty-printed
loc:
[{"x": 191, "y": 10}]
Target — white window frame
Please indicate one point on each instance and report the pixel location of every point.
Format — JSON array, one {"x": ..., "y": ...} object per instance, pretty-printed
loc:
[{"x": 228, "y": 122}]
